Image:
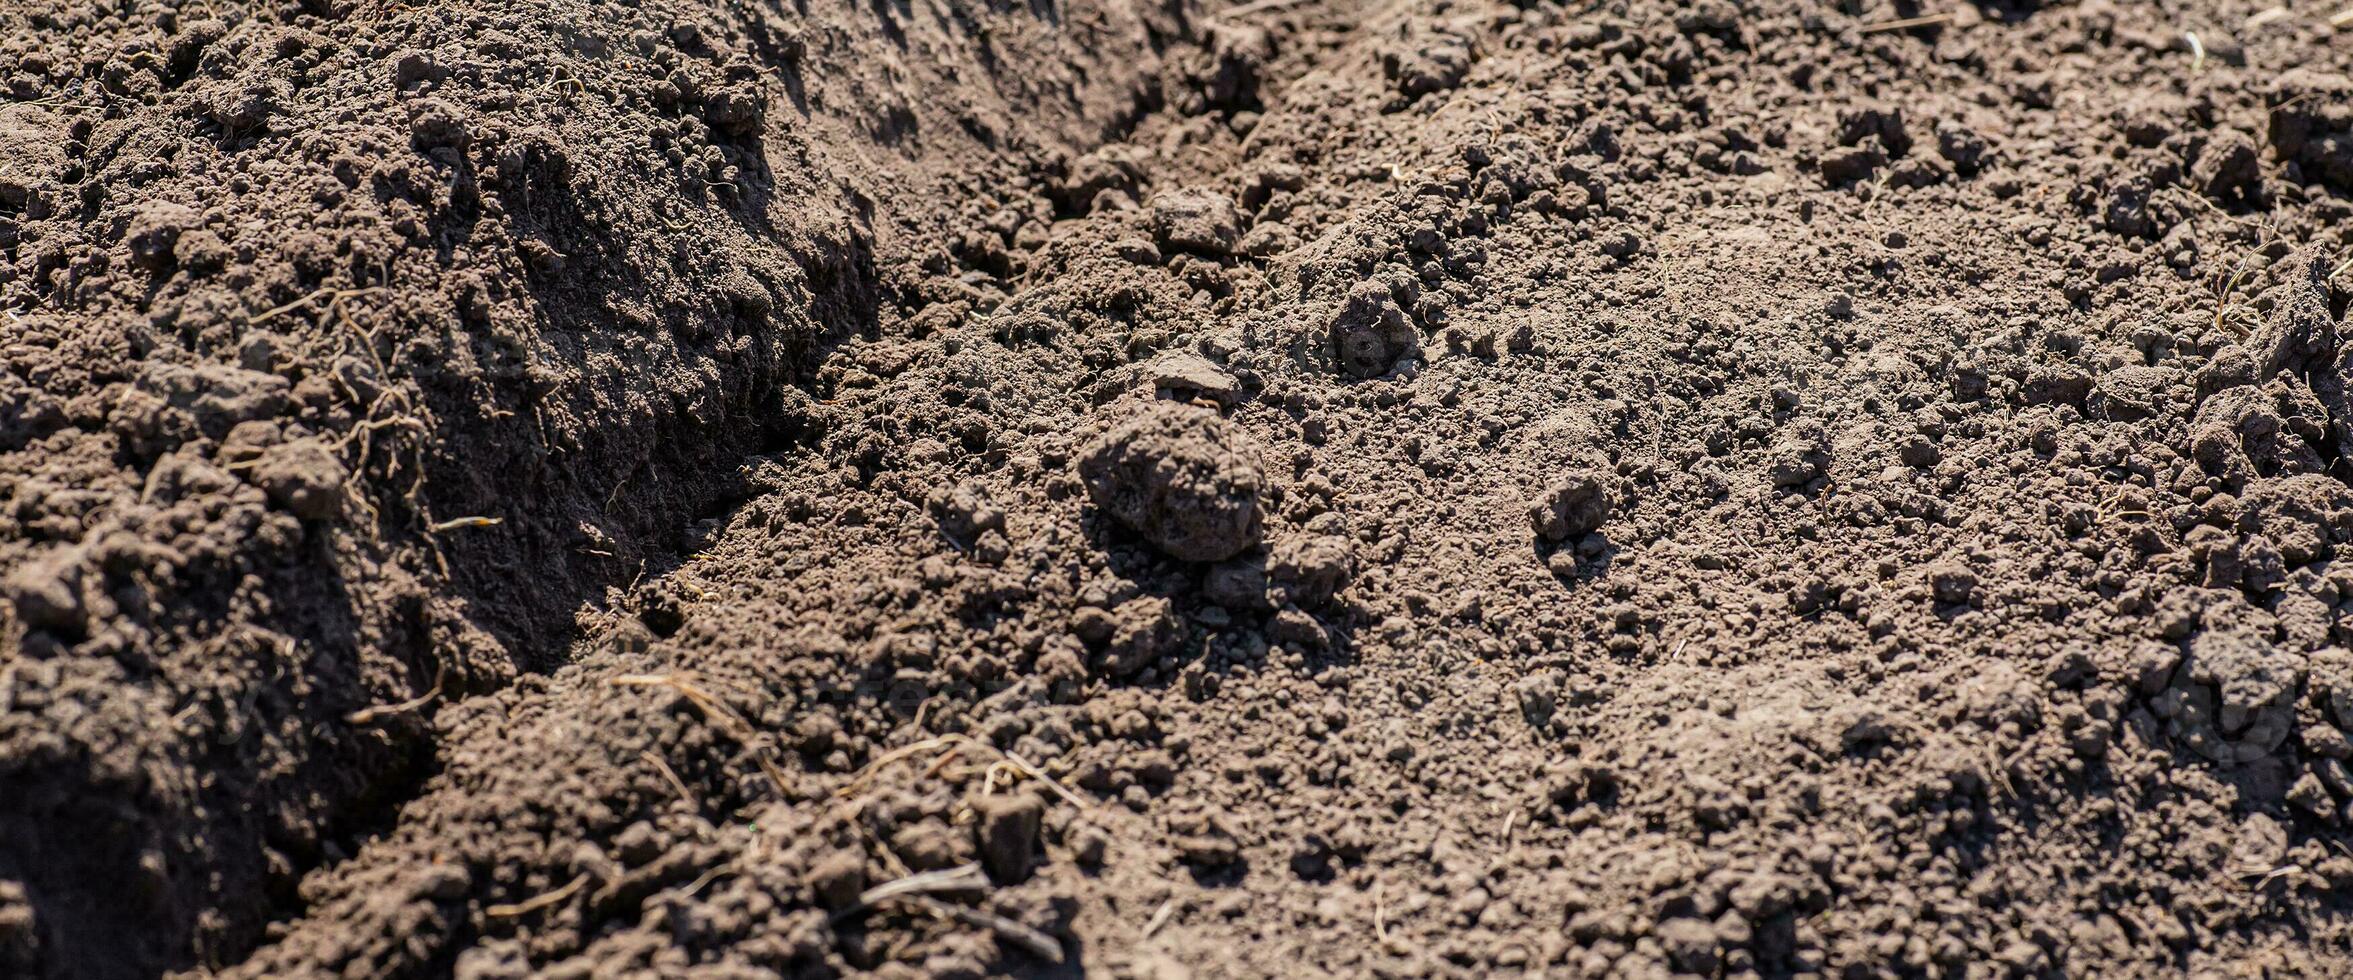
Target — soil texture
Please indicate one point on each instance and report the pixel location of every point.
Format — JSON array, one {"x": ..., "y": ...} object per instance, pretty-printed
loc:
[{"x": 1155, "y": 489}]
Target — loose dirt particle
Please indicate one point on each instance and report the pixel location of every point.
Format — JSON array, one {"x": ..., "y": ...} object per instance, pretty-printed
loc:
[{"x": 46, "y": 593}]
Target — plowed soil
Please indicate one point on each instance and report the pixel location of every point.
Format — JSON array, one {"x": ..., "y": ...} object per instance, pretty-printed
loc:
[{"x": 599, "y": 488}]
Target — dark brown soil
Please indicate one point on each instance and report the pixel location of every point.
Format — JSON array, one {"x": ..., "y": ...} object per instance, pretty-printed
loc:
[{"x": 1345, "y": 487}]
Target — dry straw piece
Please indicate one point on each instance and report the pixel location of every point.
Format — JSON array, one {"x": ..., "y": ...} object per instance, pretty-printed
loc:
[
  {"x": 953, "y": 744},
  {"x": 1907, "y": 23},
  {"x": 537, "y": 902},
  {"x": 369, "y": 715},
  {"x": 718, "y": 713},
  {"x": 917, "y": 889}
]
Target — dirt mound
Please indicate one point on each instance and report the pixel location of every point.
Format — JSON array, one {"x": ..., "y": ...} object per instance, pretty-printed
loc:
[
  {"x": 353, "y": 349},
  {"x": 1402, "y": 488}
]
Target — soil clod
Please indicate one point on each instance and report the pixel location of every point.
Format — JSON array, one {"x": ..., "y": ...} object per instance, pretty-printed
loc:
[
  {"x": 1182, "y": 477},
  {"x": 1573, "y": 505},
  {"x": 1371, "y": 333},
  {"x": 1006, "y": 830},
  {"x": 1196, "y": 221}
]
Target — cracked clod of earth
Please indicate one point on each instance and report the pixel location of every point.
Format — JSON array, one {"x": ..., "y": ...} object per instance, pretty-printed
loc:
[
  {"x": 1196, "y": 221},
  {"x": 1182, "y": 377},
  {"x": 1573, "y": 506},
  {"x": 2232, "y": 698},
  {"x": 1372, "y": 332},
  {"x": 1181, "y": 476}
]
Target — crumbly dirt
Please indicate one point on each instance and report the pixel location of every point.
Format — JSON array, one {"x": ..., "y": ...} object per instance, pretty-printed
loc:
[{"x": 1341, "y": 487}]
